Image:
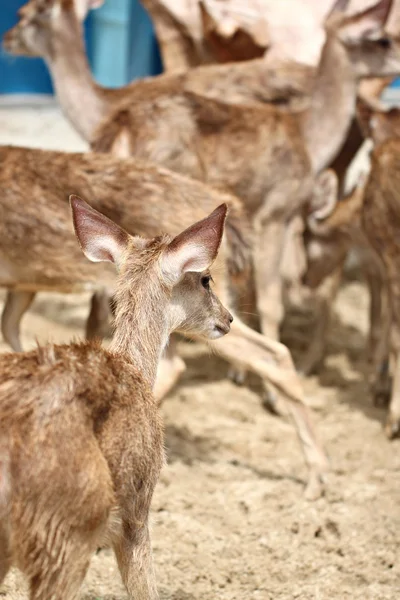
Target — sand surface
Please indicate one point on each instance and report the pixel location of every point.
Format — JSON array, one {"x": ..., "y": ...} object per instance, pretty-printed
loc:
[{"x": 229, "y": 518}]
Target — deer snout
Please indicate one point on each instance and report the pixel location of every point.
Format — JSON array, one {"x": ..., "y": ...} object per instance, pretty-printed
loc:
[{"x": 223, "y": 325}]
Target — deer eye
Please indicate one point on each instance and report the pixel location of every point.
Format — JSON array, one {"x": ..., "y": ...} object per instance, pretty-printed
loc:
[
  {"x": 205, "y": 281},
  {"x": 384, "y": 42}
]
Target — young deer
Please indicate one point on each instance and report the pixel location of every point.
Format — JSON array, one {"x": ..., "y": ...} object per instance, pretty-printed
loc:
[
  {"x": 238, "y": 147},
  {"x": 37, "y": 251},
  {"x": 84, "y": 421}
]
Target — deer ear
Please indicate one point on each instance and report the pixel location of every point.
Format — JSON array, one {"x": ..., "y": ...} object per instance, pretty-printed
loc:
[
  {"x": 100, "y": 238},
  {"x": 324, "y": 196},
  {"x": 196, "y": 248},
  {"x": 367, "y": 24}
]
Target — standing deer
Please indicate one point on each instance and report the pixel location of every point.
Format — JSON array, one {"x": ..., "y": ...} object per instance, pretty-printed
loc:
[
  {"x": 80, "y": 425},
  {"x": 266, "y": 156},
  {"x": 37, "y": 252}
]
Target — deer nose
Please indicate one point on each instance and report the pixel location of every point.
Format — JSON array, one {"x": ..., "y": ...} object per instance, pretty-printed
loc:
[{"x": 230, "y": 318}]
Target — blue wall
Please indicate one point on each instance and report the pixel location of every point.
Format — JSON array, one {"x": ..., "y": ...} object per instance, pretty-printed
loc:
[{"x": 120, "y": 42}]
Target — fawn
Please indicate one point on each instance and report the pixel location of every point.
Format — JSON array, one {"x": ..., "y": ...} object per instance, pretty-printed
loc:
[
  {"x": 79, "y": 424},
  {"x": 37, "y": 251}
]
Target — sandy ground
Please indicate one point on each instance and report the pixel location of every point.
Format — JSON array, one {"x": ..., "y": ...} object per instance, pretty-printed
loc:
[{"x": 229, "y": 518}]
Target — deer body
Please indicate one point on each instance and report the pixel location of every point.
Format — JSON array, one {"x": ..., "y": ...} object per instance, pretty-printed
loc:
[
  {"x": 84, "y": 420},
  {"x": 37, "y": 248}
]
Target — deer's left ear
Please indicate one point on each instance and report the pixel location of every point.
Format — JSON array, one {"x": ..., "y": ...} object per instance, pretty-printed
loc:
[{"x": 196, "y": 248}]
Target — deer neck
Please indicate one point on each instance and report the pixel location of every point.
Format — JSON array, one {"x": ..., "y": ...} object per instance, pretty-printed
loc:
[
  {"x": 327, "y": 120},
  {"x": 141, "y": 325},
  {"x": 81, "y": 99}
]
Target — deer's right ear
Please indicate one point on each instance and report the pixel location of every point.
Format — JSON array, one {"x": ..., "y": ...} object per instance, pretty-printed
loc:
[
  {"x": 100, "y": 238},
  {"x": 196, "y": 248}
]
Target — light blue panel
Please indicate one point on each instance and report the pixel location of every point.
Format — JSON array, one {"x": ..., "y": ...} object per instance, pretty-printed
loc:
[
  {"x": 20, "y": 75},
  {"x": 145, "y": 58},
  {"x": 110, "y": 42},
  {"x": 124, "y": 46}
]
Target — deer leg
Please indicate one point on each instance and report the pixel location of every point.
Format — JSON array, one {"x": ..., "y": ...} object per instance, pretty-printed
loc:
[
  {"x": 374, "y": 284},
  {"x": 392, "y": 428},
  {"x": 271, "y": 361},
  {"x": 170, "y": 368},
  {"x": 135, "y": 561},
  {"x": 267, "y": 256},
  {"x": 380, "y": 317},
  {"x": 326, "y": 295},
  {"x": 17, "y": 303},
  {"x": 97, "y": 324}
]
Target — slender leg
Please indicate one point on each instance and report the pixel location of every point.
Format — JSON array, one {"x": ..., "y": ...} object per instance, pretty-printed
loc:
[
  {"x": 380, "y": 317},
  {"x": 97, "y": 325},
  {"x": 271, "y": 360},
  {"x": 393, "y": 420},
  {"x": 5, "y": 558},
  {"x": 17, "y": 303},
  {"x": 267, "y": 256},
  {"x": 326, "y": 295},
  {"x": 169, "y": 370},
  {"x": 135, "y": 561}
]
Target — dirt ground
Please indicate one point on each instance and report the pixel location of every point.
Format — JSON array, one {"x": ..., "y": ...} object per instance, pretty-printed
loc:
[{"x": 229, "y": 518}]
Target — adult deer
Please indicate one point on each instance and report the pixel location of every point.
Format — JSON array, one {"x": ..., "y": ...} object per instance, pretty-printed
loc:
[{"x": 87, "y": 417}]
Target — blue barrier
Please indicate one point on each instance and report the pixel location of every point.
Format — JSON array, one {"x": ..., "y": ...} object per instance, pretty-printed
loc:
[{"x": 119, "y": 38}]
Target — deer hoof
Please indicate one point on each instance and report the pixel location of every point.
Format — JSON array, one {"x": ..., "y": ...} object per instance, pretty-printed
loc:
[
  {"x": 392, "y": 428},
  {"x": 237, "y": 375},
  {"x": 273, "y": 404}
]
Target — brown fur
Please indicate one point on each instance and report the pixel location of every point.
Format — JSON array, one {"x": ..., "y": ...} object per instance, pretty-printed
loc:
[
  {"x": 142, "y": 198},
  {"x": 84, "y": 421}
]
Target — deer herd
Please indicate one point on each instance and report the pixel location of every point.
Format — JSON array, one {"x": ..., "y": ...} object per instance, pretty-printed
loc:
[{"x": 241, "y": 154}]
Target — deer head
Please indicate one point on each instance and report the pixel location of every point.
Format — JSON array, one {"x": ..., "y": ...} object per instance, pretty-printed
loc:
[
  {"x": 372, "y": 51},
  {"x": 39, "y": 20},
  {"x": 167, "y": 278}
]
